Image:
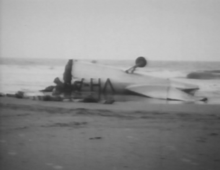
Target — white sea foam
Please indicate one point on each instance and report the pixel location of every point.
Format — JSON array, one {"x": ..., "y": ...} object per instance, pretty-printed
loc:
[{"x": 27, "y": 78}]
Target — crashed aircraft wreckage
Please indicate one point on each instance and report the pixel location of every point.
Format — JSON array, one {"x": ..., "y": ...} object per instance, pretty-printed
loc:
[
  {"x": 128, "y": 81},
  {"x": 79, "y": 75}
]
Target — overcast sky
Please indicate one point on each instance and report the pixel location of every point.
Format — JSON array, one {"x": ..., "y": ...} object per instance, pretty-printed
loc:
[{"x": 117, "y": 29}]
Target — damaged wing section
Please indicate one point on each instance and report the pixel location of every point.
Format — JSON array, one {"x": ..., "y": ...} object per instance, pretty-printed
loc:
[{"x": 163, "y": 92}]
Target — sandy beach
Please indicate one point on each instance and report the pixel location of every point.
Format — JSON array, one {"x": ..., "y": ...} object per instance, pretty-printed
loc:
[{"x": 41, "y": 135}]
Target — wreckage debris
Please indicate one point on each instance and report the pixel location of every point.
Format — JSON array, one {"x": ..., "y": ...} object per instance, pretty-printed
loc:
[
  {"x": 2, "y": 94},
  {"x": 90, "y": 99},
  {"x": 59, "y": 88},
  {"x": 48, "y": 98},
  {"x": 48, "y": 89},
  {"x": 52, "y": 98},
  {"x": 95, "y": 138},
  {"x": 110, "y": 101},
  {"x": 63, "y": 87},
  {"x": 19, "y": 94}
]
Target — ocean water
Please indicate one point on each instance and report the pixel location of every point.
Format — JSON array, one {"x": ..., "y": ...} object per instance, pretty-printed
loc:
[
  {"x": 28, "y": 75},
  {"x": 32, "y": 75}
]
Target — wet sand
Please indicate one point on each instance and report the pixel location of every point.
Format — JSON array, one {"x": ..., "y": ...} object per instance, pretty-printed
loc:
[{"x": 125, "y": 135}]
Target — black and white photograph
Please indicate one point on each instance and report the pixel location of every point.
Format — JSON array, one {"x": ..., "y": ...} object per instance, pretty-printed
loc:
[{"x": 109, "y": 84}]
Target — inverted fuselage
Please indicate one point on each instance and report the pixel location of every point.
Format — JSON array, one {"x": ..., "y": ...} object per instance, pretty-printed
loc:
[{"x": 133, "y": 82}]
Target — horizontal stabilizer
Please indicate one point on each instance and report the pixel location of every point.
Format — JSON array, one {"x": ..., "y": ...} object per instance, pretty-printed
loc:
[{"x": 163, "y": 92}]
